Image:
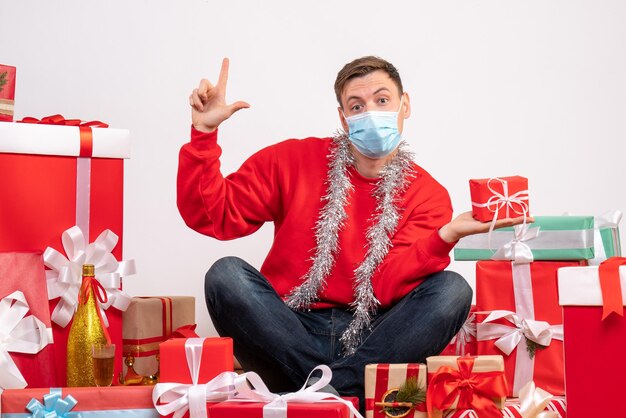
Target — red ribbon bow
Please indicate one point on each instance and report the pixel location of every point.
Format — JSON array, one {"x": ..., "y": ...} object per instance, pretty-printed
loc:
[
  {"x": 86, "y": 136},
  {"x": 186, "y": 331},
  {"x": 91, "y": 283},
  {"x": 474, "y": 390},
  {"x": 611, "y": 287},
  {"x": 60, "y": 120}
]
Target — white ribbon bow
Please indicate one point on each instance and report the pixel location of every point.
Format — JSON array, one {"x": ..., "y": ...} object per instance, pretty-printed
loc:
[
  {"x": 533, "y": 402},
  {"x": 503, "y": 201},
  {"x": 465, "y": 334},
  {"x": 18, "y": 334},
  {"x": 276, "y": 406},
  {"x": 65, "y": 277},
  {"x": 178, "y": 398},
  {"x": 541, "y": 332},
  {"x": 516, "y": 250},
  {"x": 610, "y": 219}
]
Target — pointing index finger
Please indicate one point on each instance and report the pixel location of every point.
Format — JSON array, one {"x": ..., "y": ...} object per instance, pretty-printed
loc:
[{"x": 223, "y": 74}]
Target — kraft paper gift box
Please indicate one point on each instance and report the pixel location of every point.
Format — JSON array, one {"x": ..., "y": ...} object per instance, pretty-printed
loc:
[
  {"x": 85, "y": 402},
  {"x": 26, "y": 356},
  {"x": 512, "y": 409},
  {"x": 151, "y": 320},
  {"x": 55, "y": 177},
  {"x": 594, "y": 347},
  {"x": 448, "y": 390},
  {"x": 549, "y": 238},
  {"x": 216, "y": 357},
  {"x": 606, "y": 237},
  {"x": 533, "y": 402},
  {"x": 381, "y": 378},
  {"x": 464, "y": 342},
  {"x": 525, "y": 313},
  {"x": 7, "y": 92},
  {"x": 499, "y": 197}
]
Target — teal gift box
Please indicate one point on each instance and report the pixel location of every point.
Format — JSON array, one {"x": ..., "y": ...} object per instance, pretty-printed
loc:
[
  {"x": 552, "y": 238},
  {"x": 606, "y": 237}
]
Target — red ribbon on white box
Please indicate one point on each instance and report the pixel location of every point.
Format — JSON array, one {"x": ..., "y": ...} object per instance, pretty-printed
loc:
[
  {"x": 65, "y": 277},
  {"x": 18, "y": 334},
  {"x": 523, "y": 326},
  {"x": 178, "y": 398}
]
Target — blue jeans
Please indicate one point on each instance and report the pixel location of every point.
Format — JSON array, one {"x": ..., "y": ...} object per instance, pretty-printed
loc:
[{"x": 283, "y": 346}]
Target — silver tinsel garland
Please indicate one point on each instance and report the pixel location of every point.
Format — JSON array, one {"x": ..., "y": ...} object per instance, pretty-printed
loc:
[{"x": 394, "y": 178}]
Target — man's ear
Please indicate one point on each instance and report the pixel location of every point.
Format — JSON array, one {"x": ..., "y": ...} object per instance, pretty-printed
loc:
[
  {"x": 406, "y": 103},
  {"x": 342, "y": 118}
]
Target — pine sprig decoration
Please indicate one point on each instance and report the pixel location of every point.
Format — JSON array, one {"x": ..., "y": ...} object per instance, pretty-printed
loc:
[
  {"x": 411, "y": 392},
  {"x": 3, "y": 79},
  {"x": 532, "y": 347}
]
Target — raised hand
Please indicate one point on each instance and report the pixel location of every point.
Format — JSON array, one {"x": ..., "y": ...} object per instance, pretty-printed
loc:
[
  {"x": 208, "y": 102},
  {"x": 464, "y": 225}
]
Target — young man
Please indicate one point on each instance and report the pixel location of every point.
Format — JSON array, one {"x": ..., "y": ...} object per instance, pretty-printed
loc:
[{"x": 355, "y": 274}]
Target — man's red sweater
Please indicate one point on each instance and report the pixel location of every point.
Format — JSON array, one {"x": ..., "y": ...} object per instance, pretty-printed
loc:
[{"x": 284, "y": 183}]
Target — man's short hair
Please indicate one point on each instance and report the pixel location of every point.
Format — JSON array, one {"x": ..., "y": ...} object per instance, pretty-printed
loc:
[{"x": 362, "y": 66}]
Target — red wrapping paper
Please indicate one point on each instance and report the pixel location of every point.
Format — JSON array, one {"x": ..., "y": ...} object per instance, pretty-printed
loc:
[
  {"x": 38, "y": 194},
  {"x": 481, "y": 194},
  {"x": 294, "y": 410},
  {"x": 460, "y": 346},
  {"x": 594, "y": 348},
  {"x": 495, "y": 291},
  {"x": 114, "y": 398},
  {"x": 379, "y": 378},
  {"x": 25, "y": 272},
  {"x": 7, "y": 92},
  {"x": 217, "y": 357}
]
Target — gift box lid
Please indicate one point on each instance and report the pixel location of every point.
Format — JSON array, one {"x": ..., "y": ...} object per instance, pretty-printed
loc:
[
  {"x": 580, "y": 286},
  {"x": 26, "y": 138}
]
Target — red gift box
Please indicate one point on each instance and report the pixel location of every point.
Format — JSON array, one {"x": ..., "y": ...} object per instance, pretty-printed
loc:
[
  {"x": 526, "y": 300},
  {"x": 499, "y": 198},
  {"x": 380, "y": 378},
  {"x": 294, "y": 409},
  {"x": 100, "y": 402},
  {"x": 464, "y": 342},
  {"x": 594, "y": 347},
  {"x": 48, "y": 184},
  {"x": 25, "y": 272},
  {"x": 7, "y": 92},
  {"x": 216, "y": 357}
]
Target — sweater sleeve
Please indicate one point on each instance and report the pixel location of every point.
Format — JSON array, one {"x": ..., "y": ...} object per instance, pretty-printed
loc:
[
  {"x": 417, "y": 251},
  {"x": 225, "y": 207}
]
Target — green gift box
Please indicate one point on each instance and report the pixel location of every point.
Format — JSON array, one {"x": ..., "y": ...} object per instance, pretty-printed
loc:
[
  {"x": 606, "y": 237},
  {"x": 548, "y": 238}
]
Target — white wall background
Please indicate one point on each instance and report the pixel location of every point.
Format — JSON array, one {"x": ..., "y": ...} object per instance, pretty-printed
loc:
[{"x": 498, "y": 87}]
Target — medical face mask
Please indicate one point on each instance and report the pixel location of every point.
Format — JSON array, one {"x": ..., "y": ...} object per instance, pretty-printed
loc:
[{"x": 375, "y": 134}]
